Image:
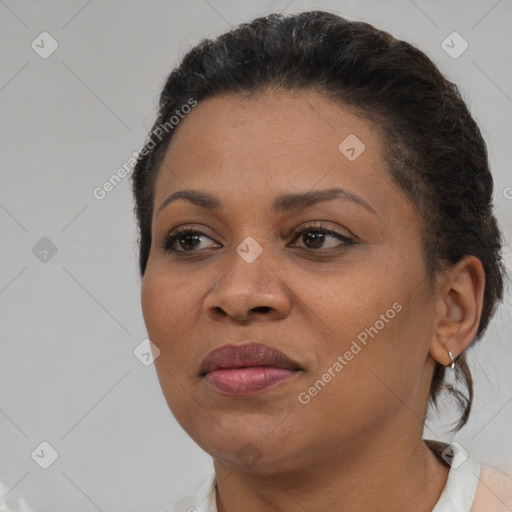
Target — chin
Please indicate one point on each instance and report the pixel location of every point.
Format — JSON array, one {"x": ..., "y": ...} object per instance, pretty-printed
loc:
[{"x": 248, "y": 439}]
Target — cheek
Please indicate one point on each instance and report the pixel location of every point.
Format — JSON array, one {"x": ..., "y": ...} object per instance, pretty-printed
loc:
[
  {"x": 380, "y": 323},
  {"x": 169, "y": 308},
  {"x": 170, "y": 311}
]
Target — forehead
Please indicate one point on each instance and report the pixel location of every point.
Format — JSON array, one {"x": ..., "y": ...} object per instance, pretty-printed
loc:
[
  {"x": 271, "y": 142},
  {"x": 304, "y": 120}
]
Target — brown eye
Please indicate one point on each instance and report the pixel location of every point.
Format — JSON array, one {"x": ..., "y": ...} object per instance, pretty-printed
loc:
[
  {"x": 317, "y": 237},
  {"x": 188, "y": 240}
]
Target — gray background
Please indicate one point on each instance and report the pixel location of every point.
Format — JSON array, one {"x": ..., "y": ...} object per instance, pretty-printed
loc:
[{"x": 70, "y": 324}]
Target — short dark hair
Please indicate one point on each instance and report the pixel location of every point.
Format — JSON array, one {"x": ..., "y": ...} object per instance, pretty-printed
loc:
[{"x": 435, "y": 151}]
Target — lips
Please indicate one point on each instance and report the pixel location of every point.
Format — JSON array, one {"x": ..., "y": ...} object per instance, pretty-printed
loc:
[{"x": 242, "y": 370}]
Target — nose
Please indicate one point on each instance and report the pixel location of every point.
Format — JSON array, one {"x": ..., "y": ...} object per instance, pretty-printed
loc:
[{"x": 248, "y": 292}]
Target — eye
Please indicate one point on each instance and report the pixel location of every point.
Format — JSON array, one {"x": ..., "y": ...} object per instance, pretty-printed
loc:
[
  {"x": 315, "y": 238},
  {"x": 188, "y": 239}
]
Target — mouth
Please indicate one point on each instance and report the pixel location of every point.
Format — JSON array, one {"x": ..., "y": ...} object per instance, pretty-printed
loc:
[{"x": 244, "y": 370}]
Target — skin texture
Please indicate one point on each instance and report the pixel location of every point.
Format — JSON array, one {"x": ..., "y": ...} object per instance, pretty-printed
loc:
[{"x": 357, "y": 444}]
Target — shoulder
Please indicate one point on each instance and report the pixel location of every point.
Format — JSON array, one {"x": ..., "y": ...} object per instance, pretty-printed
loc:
[
  {"x": 494, "y": 491},
  {"x": 471, "y": 486},
  {"x": 200, "y": 500}
]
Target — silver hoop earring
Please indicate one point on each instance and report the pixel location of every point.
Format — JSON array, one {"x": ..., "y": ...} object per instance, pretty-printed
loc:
[{"x": 451, "y": 357}]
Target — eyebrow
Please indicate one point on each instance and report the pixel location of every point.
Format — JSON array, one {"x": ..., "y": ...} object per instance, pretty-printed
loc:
[{"x": 282, "y": 203}]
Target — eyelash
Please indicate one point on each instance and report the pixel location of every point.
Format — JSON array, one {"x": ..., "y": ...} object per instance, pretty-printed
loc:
[{"x": 170, "y": 240}]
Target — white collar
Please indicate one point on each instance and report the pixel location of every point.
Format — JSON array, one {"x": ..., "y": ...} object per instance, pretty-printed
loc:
[{"x": 459, "y": 492}]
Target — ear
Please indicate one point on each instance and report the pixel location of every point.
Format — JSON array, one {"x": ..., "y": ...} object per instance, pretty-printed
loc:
[{"x": 459, "y": 302}]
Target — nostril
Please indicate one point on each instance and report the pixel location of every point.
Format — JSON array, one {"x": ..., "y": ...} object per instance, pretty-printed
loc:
[{"x": 261, "y": 309}]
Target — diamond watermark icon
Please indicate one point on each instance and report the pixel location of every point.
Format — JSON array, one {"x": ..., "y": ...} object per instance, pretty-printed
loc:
[
  {"x": 249, "y": 455},
  {"x": 249, "y": 249},
  {"x": 454, "y": 455},
  {"x": 351, "y": 147},
  {"x": 454, "y": 45},
  {"x": 44, "y": 45},
  {"x": 44, "y": 250},
  {"x": 146, "y": 352},
  {"x": 44, "y": 455}
]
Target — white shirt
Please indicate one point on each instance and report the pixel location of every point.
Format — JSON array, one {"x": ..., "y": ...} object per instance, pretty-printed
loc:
[
  {"x": 458, "y": 494},
  {"x": 12, "y": 500}
]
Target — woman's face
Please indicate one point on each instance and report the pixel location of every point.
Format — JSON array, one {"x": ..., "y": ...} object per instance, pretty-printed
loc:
[{"x": 353, "y": 307}]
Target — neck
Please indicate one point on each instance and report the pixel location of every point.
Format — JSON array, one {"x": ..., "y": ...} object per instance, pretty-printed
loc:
[{"x": 396, "y": 473}]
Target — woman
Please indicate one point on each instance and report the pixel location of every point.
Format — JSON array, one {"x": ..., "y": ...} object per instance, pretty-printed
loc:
[{"x": 317, "y": 246}]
